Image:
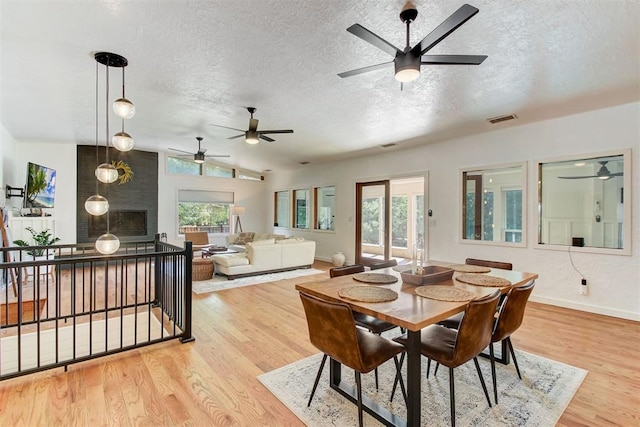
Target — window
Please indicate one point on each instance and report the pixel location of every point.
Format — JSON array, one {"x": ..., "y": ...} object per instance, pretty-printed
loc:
[
  {"x": 399, "y": 224},
  {"x": 186, "y": 166},
  {"x": 245, "y": 174},
  {"x": 324, "y": 200},
  {"x": 372, "y": 218},
  {"x": 211, "y": 169},
  {"x": 301, "y": 209},
  {"x": 281, "y": 209},
  {"x": 492, "y": 207},
  {"x": 200, "y": 210},
  {"x": 419, "y": 213},
  {"x": 182, "y": 166}
]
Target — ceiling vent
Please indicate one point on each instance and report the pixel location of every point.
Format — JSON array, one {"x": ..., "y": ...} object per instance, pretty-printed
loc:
[
  {"x": 391, "y": 144},
  {"x": 500, "y": 119}
]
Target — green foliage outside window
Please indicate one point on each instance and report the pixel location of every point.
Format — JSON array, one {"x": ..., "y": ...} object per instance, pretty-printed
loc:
[{"x": 209, "y": 217}]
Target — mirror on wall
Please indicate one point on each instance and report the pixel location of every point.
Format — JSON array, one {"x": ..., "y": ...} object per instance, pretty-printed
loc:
[
  {"x": 493, "y": 204},
  {"x": 581, "y": 202}
]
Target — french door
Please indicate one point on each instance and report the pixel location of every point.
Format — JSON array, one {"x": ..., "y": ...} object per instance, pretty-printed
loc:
[{"x": 373, "y": 219}]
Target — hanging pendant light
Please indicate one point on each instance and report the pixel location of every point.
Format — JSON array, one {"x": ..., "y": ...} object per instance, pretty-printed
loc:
[
  {"x": 96, "y": 205},
  {"x": 122, "y": 141},
  {"x": 122, "y": 106},
  {"x": 107, "y": 243},
  {"x": 106, "y": 173}
]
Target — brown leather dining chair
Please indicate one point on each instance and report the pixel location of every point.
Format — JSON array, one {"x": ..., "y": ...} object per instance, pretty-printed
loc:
[
  {"x": 370, "y": 323},
  {"x": 383, "y": 264},
  {"x": 454, "y": 347},
  {"x": 333, "y": 331}
]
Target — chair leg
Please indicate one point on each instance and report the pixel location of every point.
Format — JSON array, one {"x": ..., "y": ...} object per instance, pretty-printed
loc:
[
  {"x": 513, "y": 355},
  {"x": 435, "y": 371},
  {"x": 375, "y": 373},
  {"x": 359, "y": 385},
  {"x": 428, "y": 366},
  {"x": 315, "y": 384},
  {"x": 452, "y": 398},
  {"x": 484, "y": 386},
  {"x": 493, "y": 372}
]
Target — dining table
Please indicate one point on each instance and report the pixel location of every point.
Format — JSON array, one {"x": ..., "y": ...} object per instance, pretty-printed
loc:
[{"x": 409, "y": 311}]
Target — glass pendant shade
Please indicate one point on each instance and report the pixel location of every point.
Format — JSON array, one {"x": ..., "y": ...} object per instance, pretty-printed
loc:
[
  {"x": 106, "y": 173},
  {"x": 124, "y": 108},
  {"x": 96, "y": 205},
  {"x": 122, "y": 141},
  {"x": 107, "y": 244}
]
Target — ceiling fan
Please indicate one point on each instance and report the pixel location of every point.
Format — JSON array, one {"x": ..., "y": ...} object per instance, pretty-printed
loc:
[
  {"x": 603, "y": 173},
  {"x": 199, "y": 156},
  {"x": 407, "y": 62},
  {"x": 253, "y": 135}
]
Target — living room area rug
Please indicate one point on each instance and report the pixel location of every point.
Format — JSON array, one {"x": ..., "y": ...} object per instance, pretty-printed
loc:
[
  {"x": 539, "y": 399},
  {"x": 219, "y": 283}
]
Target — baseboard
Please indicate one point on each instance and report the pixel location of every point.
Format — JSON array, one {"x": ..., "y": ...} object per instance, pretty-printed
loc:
[{"x": 588, "y": 308}]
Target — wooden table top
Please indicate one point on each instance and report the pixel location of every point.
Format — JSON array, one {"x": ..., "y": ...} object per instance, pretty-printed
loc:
[{"x": 410, "y": 311}]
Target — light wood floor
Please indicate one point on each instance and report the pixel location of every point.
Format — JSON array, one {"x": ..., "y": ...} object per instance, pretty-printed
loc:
[{"x": 243, "y": 332}]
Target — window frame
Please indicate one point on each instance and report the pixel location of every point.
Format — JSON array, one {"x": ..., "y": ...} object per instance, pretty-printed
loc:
[
  {"x": 294, "y": 207},
  {"x": 317, "y": 207},
  {"x": 276, "y": 222}
]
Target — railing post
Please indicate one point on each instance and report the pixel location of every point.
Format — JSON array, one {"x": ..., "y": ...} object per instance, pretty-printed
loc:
[
  {"x": 188, "y": 258},
  {"x": 157, "y": 270}
]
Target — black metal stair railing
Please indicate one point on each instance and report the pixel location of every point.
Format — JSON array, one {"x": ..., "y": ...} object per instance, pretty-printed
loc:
[{"x": 77, "y": 304}]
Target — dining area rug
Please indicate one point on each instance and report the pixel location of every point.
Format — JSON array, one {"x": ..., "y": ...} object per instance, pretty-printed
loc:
[
  {"x": 539, "y": 399},
  {"x": 219, "y": 283}
]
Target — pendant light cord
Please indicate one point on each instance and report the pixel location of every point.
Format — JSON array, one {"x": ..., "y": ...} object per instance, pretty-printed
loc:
[
  {"x": 97, "y": 119},
  {"x": 106, "y": 142}
]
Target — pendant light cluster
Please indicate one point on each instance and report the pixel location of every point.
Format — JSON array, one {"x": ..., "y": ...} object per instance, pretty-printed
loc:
[{"x": 106, "y": 173}]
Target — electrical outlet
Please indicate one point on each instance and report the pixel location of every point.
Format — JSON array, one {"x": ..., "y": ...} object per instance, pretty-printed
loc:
[{"x": 583, "y": 287}]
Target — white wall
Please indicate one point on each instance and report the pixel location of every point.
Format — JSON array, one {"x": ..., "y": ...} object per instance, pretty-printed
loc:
[
  {"x": 7, "y": 165},
  {"x": 614, "y": 280},
  {"x": 62, "y": 158}
]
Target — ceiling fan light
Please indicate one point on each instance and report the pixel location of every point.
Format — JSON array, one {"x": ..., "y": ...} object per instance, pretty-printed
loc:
[
  {"x": 604, "y": 177},
  {"x": 407, "y": 74},
  {"x": 106, "y": 173},
  {"x": 198, "y": 157},
  {"x": 124, "y": 108},
  {"x": 252, "y": 139},
  {"x": 122, "y": 141}
]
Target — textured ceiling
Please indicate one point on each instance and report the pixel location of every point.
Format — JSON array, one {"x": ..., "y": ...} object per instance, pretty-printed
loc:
[{"x": 194, "y": 63}]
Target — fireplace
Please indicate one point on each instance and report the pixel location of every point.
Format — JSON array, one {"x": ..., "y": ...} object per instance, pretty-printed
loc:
[{"x": 121, "y": 223}]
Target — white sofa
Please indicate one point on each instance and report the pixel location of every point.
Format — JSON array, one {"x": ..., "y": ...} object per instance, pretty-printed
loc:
[
  {"x": 266, "y": 256},
  {"x": 238, "y": 241}
]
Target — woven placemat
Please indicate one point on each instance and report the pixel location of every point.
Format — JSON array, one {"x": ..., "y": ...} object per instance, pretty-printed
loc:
[
  {"x": 375, "y": 278},
  {"x": 466, "y": 268},
  {"x": 482, "y": 280},
  {"x": 444, "y": 293},
  {"x": 368, "y": 294}
]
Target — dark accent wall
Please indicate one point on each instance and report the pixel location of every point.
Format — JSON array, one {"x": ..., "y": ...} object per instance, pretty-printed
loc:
[{"x": 139, "y": 194}]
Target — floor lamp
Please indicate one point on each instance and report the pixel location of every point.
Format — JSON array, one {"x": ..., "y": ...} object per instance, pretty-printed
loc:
[{"x": 237, "y": 211}]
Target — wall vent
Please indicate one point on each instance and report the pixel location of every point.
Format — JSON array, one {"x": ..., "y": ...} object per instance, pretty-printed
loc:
[
  {"x": 391, "y": 144},
  {"x": 500, "y": 119}
]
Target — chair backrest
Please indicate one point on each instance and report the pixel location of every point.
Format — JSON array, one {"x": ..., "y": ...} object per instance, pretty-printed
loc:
[
  {"x": 512, "y": 311},
  {"x": 474, "y": 333},
  {"x": 197, "y": 237},
  {"x": 383, "y": 264},
  {"x": 332, "y": 330},
  {"x": 490, "y": 264},
  {"x": 347, "y": 269}
]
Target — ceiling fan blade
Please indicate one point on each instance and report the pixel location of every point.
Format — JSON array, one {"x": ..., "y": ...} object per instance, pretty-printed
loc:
[
  {"x": 449, "y": 25},
  {"x": 262, "y": 132},
  {"x": 453, "y": 59},
  {"x": 374, "y": 39},
  {"x": 364, "y": 70},
  {"x": 578, "y": 177},
  {"x": 226, "y": 127},
  {"x": 180, "y": 151},
  {"x": 237, "y": 136},
  {"x": 217, "y": 155},
  {"x": 266, "y": 138},
  {"x": 617, "y": 174},
  {"x": 253, "y": 125}
]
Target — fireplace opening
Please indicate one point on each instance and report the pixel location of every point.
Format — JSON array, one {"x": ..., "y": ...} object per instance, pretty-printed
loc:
[{"x": 121, "y": 223}]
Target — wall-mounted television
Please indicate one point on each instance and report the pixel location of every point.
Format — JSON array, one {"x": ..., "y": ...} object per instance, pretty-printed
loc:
[{"x": 41, "y": 187}]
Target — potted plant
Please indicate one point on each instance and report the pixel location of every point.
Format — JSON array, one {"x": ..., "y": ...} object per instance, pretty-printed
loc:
[{"x": 41, "y": 238}]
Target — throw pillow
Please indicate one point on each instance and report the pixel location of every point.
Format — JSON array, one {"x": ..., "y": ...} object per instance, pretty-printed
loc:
[{"x": 244, "y": 238}]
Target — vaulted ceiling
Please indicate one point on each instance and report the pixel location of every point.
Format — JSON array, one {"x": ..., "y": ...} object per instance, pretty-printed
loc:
[{"x": 197, "y": 63}]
